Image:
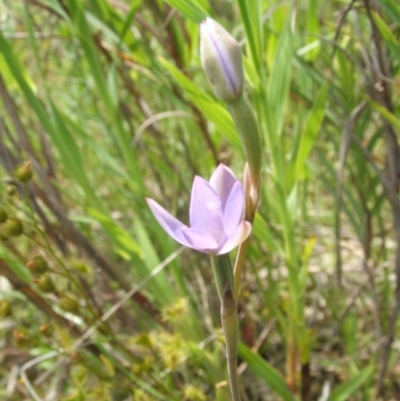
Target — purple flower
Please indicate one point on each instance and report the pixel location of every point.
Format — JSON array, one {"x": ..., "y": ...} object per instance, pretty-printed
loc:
[{"x": 216, "y": 215}]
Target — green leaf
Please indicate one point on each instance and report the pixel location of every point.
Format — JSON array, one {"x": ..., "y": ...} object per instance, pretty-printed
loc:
[
  {"x": 162, "y": 289},
  {"x": 344, "y": 391},
  {"x": 266, "y": 372},
  {"x": 52, "y": 121},
  {"x": 189, "y": 8},
  {"x": 251, "y": 14},
  {"x": 384, "y": 112},
  {"x": 384, "y": 29},
  {"x": 125, "y": 245},
  {"x": 313, "y": 31},
  {"x": 129, "y": 18},
  {"x": 392, "y": 9},
  {"x": 112, "y": 86},
  {"x": 279, "y": 81},
  {"x": 211, "y": 109},
  {"x": 263, "y": 233},
  {"x": 70, "y": 153},
  {"x": 387, "y": 33},
  {"x": 310, "y": 133},
  {"x": 106, "y": 92},
  {"x": 18, "y": 268},
  {"x": 57, "y": 7}
]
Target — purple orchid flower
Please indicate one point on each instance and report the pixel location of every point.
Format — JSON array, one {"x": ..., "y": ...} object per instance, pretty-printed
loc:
[{"x": 216, "y": 215}]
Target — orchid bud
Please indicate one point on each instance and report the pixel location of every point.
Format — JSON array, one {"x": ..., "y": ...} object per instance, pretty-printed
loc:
[
  {"x": 221, "y": 59},
  {"x": 23, "y": 172}
]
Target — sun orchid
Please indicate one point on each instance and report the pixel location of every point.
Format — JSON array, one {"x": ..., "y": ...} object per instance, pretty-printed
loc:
[{"x": 216, "y": 215}]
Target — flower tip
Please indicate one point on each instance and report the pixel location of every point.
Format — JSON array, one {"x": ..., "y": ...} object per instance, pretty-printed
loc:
[{"x": 221, "y": 59}]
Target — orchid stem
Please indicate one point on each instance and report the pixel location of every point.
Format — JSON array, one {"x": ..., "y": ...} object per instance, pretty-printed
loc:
[
  {"x": 230, "y": 326},
  {"x": 247, "y": 127},
  {"x": 233, "y": 379},
  {"x": 223, "y": 272}
]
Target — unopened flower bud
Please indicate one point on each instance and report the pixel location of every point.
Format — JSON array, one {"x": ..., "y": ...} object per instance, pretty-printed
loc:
[
  {"x": 37, "y": 265},
  {"x": 11, "y": 190},
  {"x": 22, "y": 337},
  {"x": 46, "y": 329},
  {"x": 5, "y": 308},
  {"x": 45, "y": 283},
  {"x": 221, "y": 59},
  {"x": 69, "y": 303},
  {"x": 23, "y": 172},
  {"x": 3, "y": 215},
  {"x": 11, "y": 228},
  {"x": 81, "y": 267}
]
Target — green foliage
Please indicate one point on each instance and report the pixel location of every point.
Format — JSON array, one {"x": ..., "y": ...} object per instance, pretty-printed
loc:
[{"x": 264, "y": 370}]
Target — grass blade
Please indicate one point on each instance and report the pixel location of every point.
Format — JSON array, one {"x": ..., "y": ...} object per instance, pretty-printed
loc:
[
  {"x": 266, "y": 372},
  {"x": 343, "y": 392}
]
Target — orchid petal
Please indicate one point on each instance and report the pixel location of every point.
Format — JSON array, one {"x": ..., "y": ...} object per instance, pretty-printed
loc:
[
  {"x": 241, "y": 233},
  {"x": 168, "y": 222},
  {"x": 222, "y": 181},
  {"x": 205, "y": 207},
  {"x": 233, "y": 212},
  {"x": 199, "y": 240}
]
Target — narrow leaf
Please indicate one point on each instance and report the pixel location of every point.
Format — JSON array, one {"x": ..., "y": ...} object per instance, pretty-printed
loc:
[
  {"x": 344, "y": 391},
  {"x": 125, "y": 245},
  {"x": 18, "y": 268},
  {"x": 384, "y": 112},
  {"x": 310, "y": 133},
  {"x": 392, "y": 8},
  {"x": 189, "y": 8},
  {"x": 266, "y": 372},
  {"x": 211, "y": 109},
  {"x": 279, "y": 81}
]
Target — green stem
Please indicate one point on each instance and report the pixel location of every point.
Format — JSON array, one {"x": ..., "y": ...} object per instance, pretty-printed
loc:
[
  {"x": 230, "y": 326},
  {"x": 247, "y": 126},
  {"x": 233, "y": 378},
  {"x": 223, "y": 273}
]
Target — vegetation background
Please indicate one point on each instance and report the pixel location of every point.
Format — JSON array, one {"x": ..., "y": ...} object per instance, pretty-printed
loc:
[{"x": 104, "y": 102}]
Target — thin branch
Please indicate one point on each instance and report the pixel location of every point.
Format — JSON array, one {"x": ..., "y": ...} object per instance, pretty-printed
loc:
[{"x": 344, "y": 147}]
